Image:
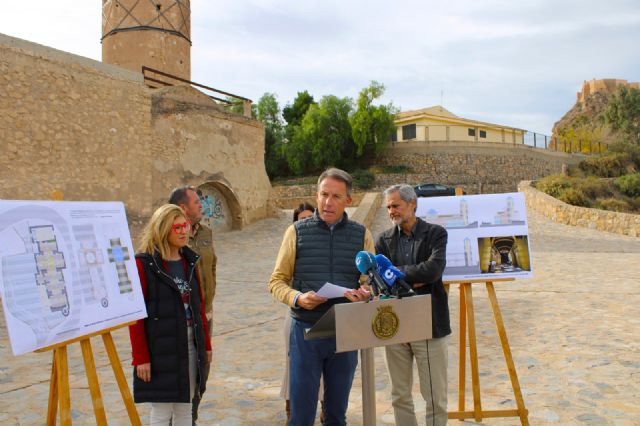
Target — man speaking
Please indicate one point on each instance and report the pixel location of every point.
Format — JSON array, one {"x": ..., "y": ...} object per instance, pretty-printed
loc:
[
  {"x": 315, "y": 251},
  {"x": 418, "y": 249}
]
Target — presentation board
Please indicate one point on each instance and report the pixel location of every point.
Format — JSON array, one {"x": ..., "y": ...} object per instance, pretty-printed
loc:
[
  {"x": 67, "y": 269},
  {"x": 488, "y": 234}
]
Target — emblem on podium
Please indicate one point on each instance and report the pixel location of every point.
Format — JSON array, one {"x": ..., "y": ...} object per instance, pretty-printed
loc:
[{"x": 386, "y": 323}]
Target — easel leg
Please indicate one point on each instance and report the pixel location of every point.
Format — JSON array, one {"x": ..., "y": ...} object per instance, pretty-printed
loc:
[
  {"x": 522, "y": 411},
  {"x": 62, "y": 371},
  {"x": 122, "y": 381},
  {"x": 94, "y": 385},
  {"x": 462, "y": 356},
  {"x": 52, "y": 408},
  {"x": 473, "y": 352}
]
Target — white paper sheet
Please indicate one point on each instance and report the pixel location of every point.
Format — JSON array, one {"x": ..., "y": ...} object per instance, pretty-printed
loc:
[{"x": 331, "y": 291}]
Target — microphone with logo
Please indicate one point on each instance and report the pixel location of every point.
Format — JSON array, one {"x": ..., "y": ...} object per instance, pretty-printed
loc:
[
  {"x": 393, "y": 276},
  {"x": 366, "y": 264}
]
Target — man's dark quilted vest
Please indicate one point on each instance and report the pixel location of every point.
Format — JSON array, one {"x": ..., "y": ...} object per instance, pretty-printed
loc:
[{"x": 325, "y": 255}]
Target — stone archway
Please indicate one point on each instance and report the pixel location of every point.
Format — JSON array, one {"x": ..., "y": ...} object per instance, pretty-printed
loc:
[{"x": 220, "y": 205}]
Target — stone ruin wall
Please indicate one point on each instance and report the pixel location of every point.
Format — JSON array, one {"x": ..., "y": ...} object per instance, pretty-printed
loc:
[
  {"x": 95, "y": 132},
  {"x": 196, "y": 141},
  {"x": 68, "y": 126}
]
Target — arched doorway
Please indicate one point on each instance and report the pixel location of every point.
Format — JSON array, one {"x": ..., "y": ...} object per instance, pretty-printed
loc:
[{"x": 220, "y": 206}]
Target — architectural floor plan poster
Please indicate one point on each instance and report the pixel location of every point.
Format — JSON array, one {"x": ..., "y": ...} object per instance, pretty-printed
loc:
[
  {"x": 488, "y": 234},
  {"x": 67, "y": 269}
]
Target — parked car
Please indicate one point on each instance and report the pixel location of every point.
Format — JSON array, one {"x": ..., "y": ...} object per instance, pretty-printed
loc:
[{"x": 434, "y": 190}]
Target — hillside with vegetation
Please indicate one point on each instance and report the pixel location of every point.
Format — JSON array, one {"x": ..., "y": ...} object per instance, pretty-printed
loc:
[{"x": 610, "y": 180}]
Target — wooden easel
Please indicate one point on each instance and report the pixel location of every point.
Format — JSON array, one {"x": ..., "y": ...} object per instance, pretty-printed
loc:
[
  {"x": 467, "y": 324},
  {"x": 59, "y": 385}
]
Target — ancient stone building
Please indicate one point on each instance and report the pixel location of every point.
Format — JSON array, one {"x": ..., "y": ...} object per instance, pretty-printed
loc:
[
  {"x": 153, "y": 33},
  {"x": 606, "y": 86},
  {"x": 94, "y": 131}
]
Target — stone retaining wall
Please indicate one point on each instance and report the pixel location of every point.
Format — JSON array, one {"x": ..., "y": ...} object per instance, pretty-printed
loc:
[
  {"x": 284, "y": 202},
  {"x": 288, "y": 197},
  {"x": 558, "y": 211},
  {"x": 366, "y": 211},
  {"x": 478, "y": 167}
]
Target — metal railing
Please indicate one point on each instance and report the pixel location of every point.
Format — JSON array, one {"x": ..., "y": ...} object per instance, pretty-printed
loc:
[{"x": 156, "y": 79}]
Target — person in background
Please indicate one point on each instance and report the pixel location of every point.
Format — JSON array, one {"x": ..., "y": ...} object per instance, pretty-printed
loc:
[{"x": 170, "y": 348}]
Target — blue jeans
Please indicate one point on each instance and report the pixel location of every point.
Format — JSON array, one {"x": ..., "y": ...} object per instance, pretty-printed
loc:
[{"x": 310, "y": 359}]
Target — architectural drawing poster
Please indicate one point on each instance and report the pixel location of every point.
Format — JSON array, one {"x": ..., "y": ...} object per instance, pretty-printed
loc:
[
  {"x": 67, "y": 269},
  {"x": 488, "y": 234}
]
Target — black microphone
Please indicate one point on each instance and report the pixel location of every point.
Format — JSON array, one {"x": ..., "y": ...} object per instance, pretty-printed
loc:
[
  {"x": 366, "y": 264},
  {"x": 392, "y": 275}
]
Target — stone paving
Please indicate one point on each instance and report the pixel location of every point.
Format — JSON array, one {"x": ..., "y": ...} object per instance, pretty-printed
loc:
[{"x": 574, "y": 331}]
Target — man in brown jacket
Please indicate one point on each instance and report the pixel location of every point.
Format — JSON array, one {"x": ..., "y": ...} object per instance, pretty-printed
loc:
[{"x": 200, "y": 240}]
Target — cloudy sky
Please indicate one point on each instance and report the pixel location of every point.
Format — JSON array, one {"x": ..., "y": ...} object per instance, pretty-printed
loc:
[{"x": 517, "y": 63}]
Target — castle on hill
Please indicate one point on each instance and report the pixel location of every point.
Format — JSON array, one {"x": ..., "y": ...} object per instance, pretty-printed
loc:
[{"x": 605, "y": 85}]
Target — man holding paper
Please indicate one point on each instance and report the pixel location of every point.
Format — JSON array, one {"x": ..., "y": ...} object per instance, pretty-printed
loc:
[{"x": 315, "y": 251}]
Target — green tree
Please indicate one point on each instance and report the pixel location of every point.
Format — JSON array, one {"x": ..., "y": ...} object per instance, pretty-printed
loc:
[
  {"x": 268, "y": 112},
  {"x": 294, "y": 113},
  {"x": 323, "y": 137},
  {"x": 372, "y": 125},
  {"x": 623, "y": 112}
]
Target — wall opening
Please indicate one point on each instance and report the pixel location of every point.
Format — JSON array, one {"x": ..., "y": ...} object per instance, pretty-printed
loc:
[{"x": 220, "y": 206}]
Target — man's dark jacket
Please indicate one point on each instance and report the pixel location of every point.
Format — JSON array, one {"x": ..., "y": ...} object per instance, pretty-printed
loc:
[{"x": 430, "y": 244}]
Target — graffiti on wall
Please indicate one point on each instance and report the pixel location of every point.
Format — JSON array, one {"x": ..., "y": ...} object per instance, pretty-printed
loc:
[{"x": 214, "y": 209}]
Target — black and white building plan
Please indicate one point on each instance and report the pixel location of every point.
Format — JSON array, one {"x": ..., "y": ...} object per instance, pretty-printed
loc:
[{"x": 66, "y": 270}]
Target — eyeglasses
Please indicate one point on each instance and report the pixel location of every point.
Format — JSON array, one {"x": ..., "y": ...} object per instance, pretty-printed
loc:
[{"x": 180, "y": 228}]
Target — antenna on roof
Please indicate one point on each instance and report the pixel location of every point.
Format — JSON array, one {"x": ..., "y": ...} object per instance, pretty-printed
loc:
[{"x": 441, "y": 97}]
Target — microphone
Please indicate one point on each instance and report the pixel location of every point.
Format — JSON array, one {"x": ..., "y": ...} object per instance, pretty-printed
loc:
[
  {"x": 367, "y": 265},
  {"x": 390, "y": 274}
]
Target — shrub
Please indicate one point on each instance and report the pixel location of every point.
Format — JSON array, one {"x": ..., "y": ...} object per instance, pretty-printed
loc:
[
  {"x": 609, "y": 165},
  {"x": 575, "y": 197},
  {"x": 594, "y": 187},
  {"x": 629, "y": 184},
  {"x": 554, "y": 185},
  {"x": 629, "y": 148},
  {"x": 614, "y": 204},
  {"x": 363, "y": 179},
  {"x": 377, "y": 169}
]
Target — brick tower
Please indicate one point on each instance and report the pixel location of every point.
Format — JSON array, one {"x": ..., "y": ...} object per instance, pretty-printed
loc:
[{"x": 155, "y": 33}]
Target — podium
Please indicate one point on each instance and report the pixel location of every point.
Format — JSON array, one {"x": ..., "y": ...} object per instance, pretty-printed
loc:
[{"x": 366, "y": 325}]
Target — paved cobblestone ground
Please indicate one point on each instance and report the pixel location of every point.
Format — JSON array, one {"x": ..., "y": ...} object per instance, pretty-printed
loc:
[{"x": 573, "y": 330}]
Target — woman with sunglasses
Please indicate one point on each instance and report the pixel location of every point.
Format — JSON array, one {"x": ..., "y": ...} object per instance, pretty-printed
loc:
[{"x": 169, "y": 346}]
